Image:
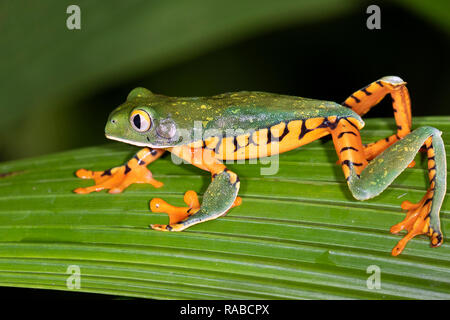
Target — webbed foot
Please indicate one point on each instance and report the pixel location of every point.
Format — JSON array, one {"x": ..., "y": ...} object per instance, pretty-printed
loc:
[{"x": 417, "y": 222}]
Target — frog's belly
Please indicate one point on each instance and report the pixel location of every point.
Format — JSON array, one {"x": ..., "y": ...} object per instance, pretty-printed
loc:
[{"x": 277, "y": 139}]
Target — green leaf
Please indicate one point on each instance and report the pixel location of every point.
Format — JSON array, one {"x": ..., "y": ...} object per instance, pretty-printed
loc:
[{"x": 298, "y": 234}]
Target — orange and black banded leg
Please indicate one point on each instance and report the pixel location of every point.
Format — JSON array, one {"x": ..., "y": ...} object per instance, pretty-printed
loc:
[
  {"x": 349, "y": 148},
  {"x": 368, "y": 179},
  {"x": 364, "y": 99},
  {"x": 118, "y": 178},
  {"x": 219, "y": 197}
]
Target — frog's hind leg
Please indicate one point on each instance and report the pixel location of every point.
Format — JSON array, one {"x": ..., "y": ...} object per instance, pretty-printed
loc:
[
  {"x": 219, "y": 197},
  {"x": 118, "y": 178},
  {"x": 367, "y": 180},
  {"x": 364, "y": 99}
]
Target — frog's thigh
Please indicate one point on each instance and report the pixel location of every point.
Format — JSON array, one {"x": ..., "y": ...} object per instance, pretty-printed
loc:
[{"x": 220, "y": 195}]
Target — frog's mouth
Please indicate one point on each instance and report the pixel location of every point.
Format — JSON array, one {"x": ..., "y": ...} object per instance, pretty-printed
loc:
[
  {"x": 140, "y": 144},
  {"x": 136, "y": 143}
]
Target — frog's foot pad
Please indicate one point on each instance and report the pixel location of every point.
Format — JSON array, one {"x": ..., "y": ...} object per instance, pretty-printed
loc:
[
  {"x": 177, "y": 214},
  {"x": 168, "y": 227},
  {"x": 116, "y": 179},
  {"x": 417, "y": 222}
]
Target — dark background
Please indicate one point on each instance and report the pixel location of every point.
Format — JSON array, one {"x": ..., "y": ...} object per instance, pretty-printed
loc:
[{"x": 58, "y": 86}]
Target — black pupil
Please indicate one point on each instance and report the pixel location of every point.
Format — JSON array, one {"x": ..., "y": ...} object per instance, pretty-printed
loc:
[{"x": 137, "y": 121}]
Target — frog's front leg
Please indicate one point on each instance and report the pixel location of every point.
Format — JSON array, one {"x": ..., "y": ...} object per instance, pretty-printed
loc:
[
  {"x": 177, "y": 214},
  {"x": 367, "y": 180},
  {"x": 219, "y": 197},
  {"x": 118, "y": 178}
]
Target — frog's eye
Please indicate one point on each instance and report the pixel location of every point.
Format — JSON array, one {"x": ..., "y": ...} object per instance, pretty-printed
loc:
[{"x": 140, "y": 120}]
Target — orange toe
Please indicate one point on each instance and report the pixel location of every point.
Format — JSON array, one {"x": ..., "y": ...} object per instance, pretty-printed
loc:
[
  {"x": 84, "y": 174},
  {"x": 80, "y": 191},
  {"x": 176, "y": 214},
  {"x": 237, "y": 202},
  {"x": 191, "y": 199},
  {"x": 156, "y": 183}
]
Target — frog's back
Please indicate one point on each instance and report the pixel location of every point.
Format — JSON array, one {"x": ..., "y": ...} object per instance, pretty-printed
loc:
[
  {"x": 255, "y": 110},
  {"x": 253, "y": 121}
]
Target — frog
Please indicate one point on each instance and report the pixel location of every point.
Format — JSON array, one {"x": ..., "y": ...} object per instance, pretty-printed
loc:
[{"x": 209, "y": 131}]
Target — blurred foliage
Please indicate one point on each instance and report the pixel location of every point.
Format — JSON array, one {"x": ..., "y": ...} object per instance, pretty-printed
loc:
[{"x": 59, "y": 85}]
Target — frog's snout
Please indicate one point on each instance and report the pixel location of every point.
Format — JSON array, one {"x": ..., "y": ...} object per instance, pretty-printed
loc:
[
  {"x": 112, "y": 126},
  {"x": 112, "y": 123},
  {"x": 113, "y": 119}
]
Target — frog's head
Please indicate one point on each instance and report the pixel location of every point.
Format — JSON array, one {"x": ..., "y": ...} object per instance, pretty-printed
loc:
[{"x": 141, "y": 121}]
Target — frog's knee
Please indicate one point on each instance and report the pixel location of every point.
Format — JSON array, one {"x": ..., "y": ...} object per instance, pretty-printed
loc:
[
  {"x": 427, "y": 130},
  {"x": 394, "y": 80}
]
